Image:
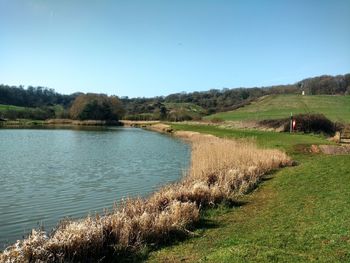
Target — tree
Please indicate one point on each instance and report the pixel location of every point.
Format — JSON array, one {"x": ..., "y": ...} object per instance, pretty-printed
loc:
[{"x": 96, "y": 107}]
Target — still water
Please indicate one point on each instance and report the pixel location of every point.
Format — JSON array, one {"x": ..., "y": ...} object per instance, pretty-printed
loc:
[{"x": 47, "y": 175}]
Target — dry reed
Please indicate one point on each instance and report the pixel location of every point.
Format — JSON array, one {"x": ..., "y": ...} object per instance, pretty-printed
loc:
[{"x": 220, "y": 170}]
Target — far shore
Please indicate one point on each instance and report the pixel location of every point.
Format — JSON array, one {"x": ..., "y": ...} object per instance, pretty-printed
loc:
[
  {"x": 26, "y": 123},
  {"x": 23, "y": 123}
]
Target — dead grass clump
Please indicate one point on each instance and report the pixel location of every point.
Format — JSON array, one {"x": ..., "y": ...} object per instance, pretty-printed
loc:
[
  {"x": 220, "y": 170},
  {"x": 194, "y": 191},
  {"x": 77, "y": 239},
  {"x": 147, "y": 223},
  {"x": 24, "y": 251},
  {"x": 234, "y": 167}
]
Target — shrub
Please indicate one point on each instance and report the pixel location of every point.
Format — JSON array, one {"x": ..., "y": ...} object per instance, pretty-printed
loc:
[
  {"x": 216, "y": 120},
  {"x": 96, "y": 107},
  {"x": 316, "y": 123}
]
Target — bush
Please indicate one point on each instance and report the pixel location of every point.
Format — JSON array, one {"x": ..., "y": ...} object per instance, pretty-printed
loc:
[
  {"x": 96, "y": 107},
  {"x": 316, "y": 123},
  {"x": 216, "y": 120},
  {"x": 178, "y": 116}
]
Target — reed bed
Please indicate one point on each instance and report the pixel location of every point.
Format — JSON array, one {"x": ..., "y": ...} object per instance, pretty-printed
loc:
[{"x": 221, "y": 170}]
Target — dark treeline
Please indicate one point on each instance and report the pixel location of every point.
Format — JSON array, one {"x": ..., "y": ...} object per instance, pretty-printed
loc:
[
  {"x": 34, "y": 96},
  {"x": 214, "y": 100},
  {"x": 338, "y": 85}
]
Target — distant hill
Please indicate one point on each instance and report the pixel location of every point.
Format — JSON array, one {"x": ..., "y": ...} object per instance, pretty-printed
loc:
[
  {"x": 178, "y": 106},
  {"x": 214, "y": 101},
  {"x": 172, "y": 111},
  {"x": 336, "y": 108}
]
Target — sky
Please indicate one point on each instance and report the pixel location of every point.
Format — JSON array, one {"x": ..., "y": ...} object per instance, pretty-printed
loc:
[{"x": 151, "y": 48}]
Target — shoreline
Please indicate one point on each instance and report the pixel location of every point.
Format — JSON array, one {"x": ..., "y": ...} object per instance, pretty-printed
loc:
[
  {"x": 179, "y": 204},
  {"x": 23, "y": 123},
  {"x": 26, "y": 123}
]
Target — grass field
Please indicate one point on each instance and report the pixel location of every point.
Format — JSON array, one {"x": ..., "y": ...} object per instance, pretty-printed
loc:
[
  {"x": 185, "y": 106},
  {"x": 337, "y": 108},
  {"x": 12, "y": 112},
  {"x": 300, "y": 215},
  {"x": 11, "y": 107},
  {"x": 284, "y": 141}
]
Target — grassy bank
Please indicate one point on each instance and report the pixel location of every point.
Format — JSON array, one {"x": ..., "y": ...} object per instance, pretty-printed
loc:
[
  {"x": 269, "y": 139},
  {"x": 336, "y": 108},
  {"x": 221, "y": 171},
  {"x": 11, "y": 107},
  {"x": 21, "y": 123},
  {"x": 300, "y": 215}
]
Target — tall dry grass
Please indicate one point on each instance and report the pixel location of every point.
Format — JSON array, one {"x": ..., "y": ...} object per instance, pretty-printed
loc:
[{"x": 220, "y": 170}]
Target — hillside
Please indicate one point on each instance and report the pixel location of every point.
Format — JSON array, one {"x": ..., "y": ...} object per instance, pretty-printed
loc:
[
  {"x": 189, "y": 105},
  {"x": 184, "y": 110},
  {"x": 11, "y": 107},
  {"x": 155, "y": 110},
  {"x": 35, "y": 113},
  {"x": 336, "y": 108}
]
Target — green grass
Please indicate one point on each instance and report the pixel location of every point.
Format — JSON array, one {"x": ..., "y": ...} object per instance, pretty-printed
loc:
[
  {"x": 58, "y": 109},
  {"x": 284, "y": 141},
  {"x": 11, "y": 107},
  {"x": 336, "y": 108},
  {"x": 300, "y": 215},
  {"x": 22, "y": 123}
]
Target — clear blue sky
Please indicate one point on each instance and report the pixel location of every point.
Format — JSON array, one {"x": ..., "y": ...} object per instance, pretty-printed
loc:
[{"x": 147, "y": 48}]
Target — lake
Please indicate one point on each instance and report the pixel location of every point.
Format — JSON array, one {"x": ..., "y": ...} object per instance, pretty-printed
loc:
[{"x": 49, "y": 174}]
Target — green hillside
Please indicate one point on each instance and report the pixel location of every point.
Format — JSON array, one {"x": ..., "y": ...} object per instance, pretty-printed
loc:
[
  {"x": 10, "y": 107},
  {"x": 181, "y": 110},
  {"x": 337, "y": 108},
  {"x": 12, "y": 112}
]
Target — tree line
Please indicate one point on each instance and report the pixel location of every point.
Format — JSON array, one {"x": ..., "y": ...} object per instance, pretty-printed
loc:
[
  {"x": 34, "y": 96},
  {"x": 47, "y": 103},
  {"x": 338, "y": 85}
]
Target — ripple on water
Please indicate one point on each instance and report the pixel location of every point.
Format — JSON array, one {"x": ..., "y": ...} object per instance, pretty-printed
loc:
[{"x": 47, "y": 175}]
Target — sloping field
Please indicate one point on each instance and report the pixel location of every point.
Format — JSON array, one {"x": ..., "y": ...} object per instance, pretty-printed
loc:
[
  {"x": 10, "y": 107},
  {"x": 336, "y": 108},
  {"x": 182, "y": 109}
]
